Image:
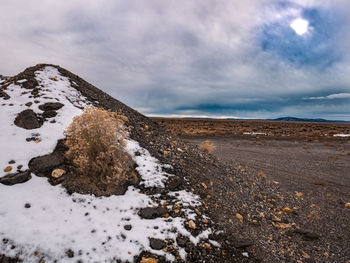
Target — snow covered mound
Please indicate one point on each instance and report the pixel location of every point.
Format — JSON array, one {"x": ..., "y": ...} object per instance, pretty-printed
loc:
[
  {"x": 21, "y": 144},
  {"x": 39, "y": 221}
]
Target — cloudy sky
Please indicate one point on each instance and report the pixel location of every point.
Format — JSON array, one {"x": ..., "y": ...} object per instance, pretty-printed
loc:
[{"x": 251, "y": 59}]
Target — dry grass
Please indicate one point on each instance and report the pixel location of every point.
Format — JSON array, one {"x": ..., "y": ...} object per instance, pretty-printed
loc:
[
  {"x": 96, "y": 141},
  {"x": 262, "y": 175},
  {"x": 207, "y": 146}
]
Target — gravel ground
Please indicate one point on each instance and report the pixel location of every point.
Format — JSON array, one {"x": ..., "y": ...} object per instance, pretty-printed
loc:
[{"x": 297, "y": 164}]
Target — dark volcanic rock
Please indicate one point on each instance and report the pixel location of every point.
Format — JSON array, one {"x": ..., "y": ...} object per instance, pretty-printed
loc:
[
  {"x": 175, "y": 183},
  {"x": 4, "y": 95},
  {"x": 51, "y": 106},
  {"x": 182, "y": 240},
  {"x": 43, "y": 165},
  {"x": 4, "y": 259},
  {"x": 307, "y": 235},
  {"x": 128, "y": 227},
  {"x": 151, "y": 212},
  {"x": 157, "y": 244},
  {"x": 28, "y": 119},
  {"x": 17, "y": 178},
  {"x": 49, "y": 114},
  {"x": 70, "y": 253},
  {"x": 242, "y": 243}
]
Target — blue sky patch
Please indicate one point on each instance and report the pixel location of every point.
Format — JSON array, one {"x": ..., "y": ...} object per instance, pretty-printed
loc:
[{"x": 317, "y": 47}]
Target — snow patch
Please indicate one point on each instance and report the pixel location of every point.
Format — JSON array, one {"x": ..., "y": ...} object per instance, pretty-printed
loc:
[
  {"x": 341, "y": 135},
  {"x": 148, "y": 166},
  {"x": 55, "y": 88},
  {"x": 254, "y": 133}
]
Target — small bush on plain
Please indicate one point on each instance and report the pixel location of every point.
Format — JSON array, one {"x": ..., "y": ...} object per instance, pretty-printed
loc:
[
  {"x": 207, "y": 146},
  {"x": 96, "y": 141}
]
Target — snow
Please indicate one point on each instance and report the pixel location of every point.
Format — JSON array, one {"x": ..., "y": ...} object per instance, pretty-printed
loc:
[
  {"x": 13, "y": 138},
  {"x": 92, "y": 227},
  {"x": 341, "y": 135},
  {"x": 58, "y": 223},
  {"x": 147, "y": 165},
  {"x": 85, "y": 223},
  {"x": 254, "y": 133}
]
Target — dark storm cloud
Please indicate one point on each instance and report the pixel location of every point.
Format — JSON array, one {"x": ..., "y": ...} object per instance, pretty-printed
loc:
[{"x": 191, "y": 57}]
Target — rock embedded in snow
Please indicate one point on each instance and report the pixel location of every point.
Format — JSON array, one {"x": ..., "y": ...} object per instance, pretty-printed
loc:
[
  {"x": 50, "y": 106},
  {"x": 157, "y": 244},
  {"x": 17, "y": 178},
  {"x": 153, "y": 212},
  {"x": 43, "y": 165},
  {"x": 49, "y": 114},
  {"x": 28, "y": 119},
  {"x": 8, "y": 169},
  {"x": 182, "y": 241}
]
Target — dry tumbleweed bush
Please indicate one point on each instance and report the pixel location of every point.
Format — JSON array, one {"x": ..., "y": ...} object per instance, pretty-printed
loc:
[
  {"x": 96, "y": 141},
  {"x": 207, "y": 146}
]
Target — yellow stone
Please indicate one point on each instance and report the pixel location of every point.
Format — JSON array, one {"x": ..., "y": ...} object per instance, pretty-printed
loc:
[
  {"x": 284, "y": 226},
  {"x": 8, "y": 169},
  {"x": 347, "y": 205},
  {"x": 287, "y": 210},
  {"x": 207, "y": 245},
  {"x": 299, "y": 194},
  {"x": 262, "y": 175},
  {"x": 192, "y": 224},
  {"x": 57, "y": 173},
  {"x": 240, "y": 217},
  {"x": 148, "y": 260}
]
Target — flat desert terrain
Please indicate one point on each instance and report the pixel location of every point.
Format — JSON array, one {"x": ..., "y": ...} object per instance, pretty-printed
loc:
[{"x": 312, "y": 158}]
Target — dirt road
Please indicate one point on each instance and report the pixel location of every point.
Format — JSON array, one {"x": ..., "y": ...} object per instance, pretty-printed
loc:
[{"x": 296, "y": 164}]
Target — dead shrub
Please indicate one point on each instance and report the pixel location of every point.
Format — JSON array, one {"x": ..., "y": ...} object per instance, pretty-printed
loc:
[
  {"x": 96, "y": 141},
  {"x": 207, "y": 146}
]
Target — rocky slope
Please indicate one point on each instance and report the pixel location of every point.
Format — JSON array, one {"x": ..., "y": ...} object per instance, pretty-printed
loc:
[{"x": 188, "y": 207}]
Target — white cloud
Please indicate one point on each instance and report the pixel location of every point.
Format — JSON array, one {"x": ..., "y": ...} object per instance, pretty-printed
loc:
[
  {"x": 331, "y": 96},
  {"x": 165, "y": 55}
]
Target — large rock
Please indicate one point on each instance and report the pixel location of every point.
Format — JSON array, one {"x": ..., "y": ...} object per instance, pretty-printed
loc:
[
  {"x": 43, "y": 165},
  {"x": 157, "y": 244},
  {"x": 17, "y": 178},
  {"x": 28, "y": 119},
  {"x": 152, "y": 212},
  {"x": 51, "y": 106}
]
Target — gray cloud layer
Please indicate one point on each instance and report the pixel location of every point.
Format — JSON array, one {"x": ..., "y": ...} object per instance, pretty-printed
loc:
[{"x": 179, "y": 57}]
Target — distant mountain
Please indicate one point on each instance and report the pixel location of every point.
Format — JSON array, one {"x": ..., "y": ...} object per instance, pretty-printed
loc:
[
  {"x": 242, "y": 119},
  {"x": 303, "y": 119}
]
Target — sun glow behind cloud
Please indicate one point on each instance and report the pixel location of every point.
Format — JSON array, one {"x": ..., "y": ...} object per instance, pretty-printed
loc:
[{"x": 300, "y": 26}]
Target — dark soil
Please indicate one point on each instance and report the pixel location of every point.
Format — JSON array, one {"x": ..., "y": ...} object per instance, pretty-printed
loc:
[{"x": 250, "y": 210}]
